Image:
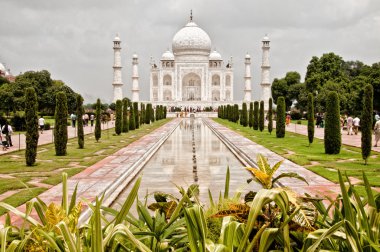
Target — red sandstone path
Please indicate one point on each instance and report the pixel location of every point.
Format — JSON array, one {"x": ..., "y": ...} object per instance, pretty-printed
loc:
[
  {"x": 18, "y": 139},
  {"x": 352, "y": 140}
]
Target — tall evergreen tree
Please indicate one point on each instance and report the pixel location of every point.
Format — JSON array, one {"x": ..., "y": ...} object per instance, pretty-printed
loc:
[
  {"x": 142, "y": 114},
  {"x": 243, "y": 118},
  {"x": 310, "y": 118},
  {"x": 119, "y": 115},
  {"x": 152, "y": 117},
  {"x": 136, "y": 114},
  {"x": 80, "y": 112},
  {"x": 148, "y": 113},
  {"x": 236, "y": 113},
  {"x": 366, "y": 122},
  {"x": 158, "y": 108},
  {"x": 250, "y": 118},
  {"x": 98, "y": 131},
  {"x": 31, "y": 118},
  {"x": 125, "y": 115},
  {"x": 256, "y": 115},
  {"x": 165, "y": 111},
  {"x": 280, "y": 121},
  {"x": 132, "y": 117},
  {"x": 270, "y": 116},
  {"x": 261, "y": 116},
  {"x": 333, "y": 136},
  {"x": 60, "y": 129}
]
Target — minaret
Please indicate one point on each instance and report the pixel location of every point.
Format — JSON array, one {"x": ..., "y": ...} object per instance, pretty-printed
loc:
[
  {"x": 135, "y": 79},
  {"x": 266, "y": 86},
  {"x": 117, "y": 82},
  {"x": 247, "y": 79}
]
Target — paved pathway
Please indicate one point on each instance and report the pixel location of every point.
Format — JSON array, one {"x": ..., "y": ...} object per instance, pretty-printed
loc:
[
  {"x": 352, "y": 140},
  {"x": 18, "y": 139}
]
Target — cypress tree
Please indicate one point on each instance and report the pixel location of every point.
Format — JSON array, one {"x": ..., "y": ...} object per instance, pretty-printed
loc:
[
  {"x": 250, "y": 119},
  {"x": 60, "y": 129},
  {"x": 142, "y": 114},
  {"x": 236, "y": 113},
  {"x": 125, "y": 115},
  {"x": 228, "y": 113},
  {"x": 333, "y": 137},
  {"x": 270, "y": 116},
  {"x": 261, "y": 116},
  {"x": 256, "y": 115},
  {"x": 136, "y": 114},
  {"x": 147, "y": 113},
  {"x": 158, "y": 108},
  {"x": 132, "y": 123},
  {"x": 152, "y": 118},
  {"x": 280, "y": 121},
  {"x": 310, "y": 118},
  {"x": 31, "y": 118},
  {"x": 80, "y": 112},
  {"x": 165, "y": 111},
  {"x": 366, "y": 122},
  {"x": 119, "y": 115},
  {"x": 98, "y": 131},
  {"x": 244, "y": 115}
]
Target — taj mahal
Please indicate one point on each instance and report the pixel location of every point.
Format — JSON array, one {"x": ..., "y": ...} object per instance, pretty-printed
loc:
[{"x": 192, "y": 75}]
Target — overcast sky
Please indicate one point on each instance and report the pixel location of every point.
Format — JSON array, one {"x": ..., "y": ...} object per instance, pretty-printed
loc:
[{"x": 72, "y": 39}]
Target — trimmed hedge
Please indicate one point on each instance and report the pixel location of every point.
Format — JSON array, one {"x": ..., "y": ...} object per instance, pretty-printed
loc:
[
  {"x": 280, "y": 120},
  {"x": 333, "y": 136}
]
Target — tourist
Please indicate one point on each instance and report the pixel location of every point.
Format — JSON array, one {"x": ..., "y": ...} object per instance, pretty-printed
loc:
[
  {"x": 73, "y": 118},
  {"x": 318, "y": 120},
  {"x": 41, "y": 123},
  {"x": 341, "y": 123},
  {"x": 288, "y": 118},
  {"x": 356, "y": 125},
  {"x": 86, "y": 117},
  {"x": 349, "y": 125},
  {"x": 376, "y": 130},
  {"x": 92, "y": 118},
  {"x": 7, "y": 131}
]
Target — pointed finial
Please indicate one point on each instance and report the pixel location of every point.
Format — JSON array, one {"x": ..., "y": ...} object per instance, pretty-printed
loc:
[{"x": 191, "y": 15}]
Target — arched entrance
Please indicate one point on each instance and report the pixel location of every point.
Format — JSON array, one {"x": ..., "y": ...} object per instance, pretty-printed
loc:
[{"x": 191, "y": 87}]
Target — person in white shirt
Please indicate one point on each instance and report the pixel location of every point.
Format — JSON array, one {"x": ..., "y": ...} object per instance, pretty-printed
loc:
[
  {"x": 356, "y": 123},
  {"x": 376, "y": 130},
  {"x": 7, "y": 131},
  {"x": 41, "y": 123},
  {"x": 349, "y": 125}
]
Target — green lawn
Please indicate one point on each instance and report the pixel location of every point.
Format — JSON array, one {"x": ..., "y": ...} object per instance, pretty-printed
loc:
[
  {"x": 295, "y": 148},
  {"x": 49, "y": 167}
]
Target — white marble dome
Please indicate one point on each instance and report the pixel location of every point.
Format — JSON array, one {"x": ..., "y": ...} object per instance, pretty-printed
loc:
[
  {"x": 117, "y": 38},
  {"x": 191, "y": 39},
  {"x": 215, "y": 56},
  {"x": 168, "y": 55}
]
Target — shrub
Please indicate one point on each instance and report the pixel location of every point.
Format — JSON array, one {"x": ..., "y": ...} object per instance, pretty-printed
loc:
[
  {"x": 270, "y": 116},
  {"x": 236, "y": 113},
  {"x": 148, "y": 113},
  {"x": 47, "y": 126},
  {"x": 152, "y": 118},
  {"x": 244, "y": 113},
  {"x": 142, "y": 114},
  {"x": 18, "y": 121},
  {"x": 80, "y": 111},
  {"x": 98, "y": 131},
  {"x": 125, "y": 115},
  {"x": 119, "y": 115},
  {"x": 256, "y": 115},
  {"x": 165, "y": 111},
  {"x": 136, "y": 114},
  {"x": 280, "y": 122},
  {"x": 250, "y": 117},
  {"x": 132, "y": 124},
  {"x": 60, "y": 129},
  {"x": 261, "y": 116},
  {"x": 31, "y": 108},
  {"x": 310, "y": 118},
  {"x": 366, "y": 122},
  {"x": 333, "y": 137},
  {"x": 296, "y": 114}
]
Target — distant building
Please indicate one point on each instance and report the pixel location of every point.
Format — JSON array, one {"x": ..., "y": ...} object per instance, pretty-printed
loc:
[{"x": 6, "y": 73}]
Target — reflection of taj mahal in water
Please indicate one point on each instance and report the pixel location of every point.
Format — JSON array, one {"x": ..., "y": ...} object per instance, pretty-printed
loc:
[{"x": 192, "y": 75}]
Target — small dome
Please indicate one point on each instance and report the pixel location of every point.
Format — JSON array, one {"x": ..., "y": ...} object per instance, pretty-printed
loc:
[
  {"x": 168, "y": 55},
  {"x": 247, "y": 56},
  {"x": 117, "y": 38},
  {"x": 215, "y": 56},
  {"x": 191, "y": 39},
  {"x": 266, "y": 38},
  {"x": 134, "y": 56}
]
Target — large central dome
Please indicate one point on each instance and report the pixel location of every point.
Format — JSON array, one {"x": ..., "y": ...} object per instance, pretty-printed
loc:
[{"x": 191, "y": 40}]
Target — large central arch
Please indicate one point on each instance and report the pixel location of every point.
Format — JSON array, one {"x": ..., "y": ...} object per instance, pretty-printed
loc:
[{"x": 191, "y": 87}]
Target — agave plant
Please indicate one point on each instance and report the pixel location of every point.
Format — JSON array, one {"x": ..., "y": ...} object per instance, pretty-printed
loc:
[{"x": 264, "y": 173}]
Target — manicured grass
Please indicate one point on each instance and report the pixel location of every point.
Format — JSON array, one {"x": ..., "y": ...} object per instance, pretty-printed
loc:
[
  {"x": 49, "y": 167},
  {"x": 295, "y": 148},
  {"x": 21, "y": 197}
]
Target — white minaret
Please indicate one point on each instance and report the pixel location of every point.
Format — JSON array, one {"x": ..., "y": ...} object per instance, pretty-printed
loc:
[
  {"x": 117, "y": 82},
  {"x": 266, "y": 86},
  {"x": 247, "y": 79},
  {"x": 135, "y": 79}
]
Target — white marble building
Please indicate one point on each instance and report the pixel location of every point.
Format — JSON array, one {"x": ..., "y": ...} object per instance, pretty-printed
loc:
[{"x": 191, "y": 75}]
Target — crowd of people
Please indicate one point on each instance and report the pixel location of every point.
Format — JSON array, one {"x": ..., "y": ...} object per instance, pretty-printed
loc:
[{"x": 86, "y": 118}]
